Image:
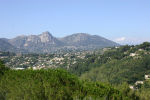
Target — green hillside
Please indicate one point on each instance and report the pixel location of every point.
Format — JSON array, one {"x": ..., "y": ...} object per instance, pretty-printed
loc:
[
  {"x": 118, "y": 71},
  {"x": 127, "y": 64},
  {"x": 52, "y": 84},
  {"x": 104, "y": 75},
  {"x": 117, "y": 65}
]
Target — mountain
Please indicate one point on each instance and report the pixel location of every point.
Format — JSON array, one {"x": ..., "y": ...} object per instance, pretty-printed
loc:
[
  {"x": 6, "y": 46},
  {"x": 46, "y": 43},
  {"x": 87, "y": 42},
  {"x": 42, "y": 43}
]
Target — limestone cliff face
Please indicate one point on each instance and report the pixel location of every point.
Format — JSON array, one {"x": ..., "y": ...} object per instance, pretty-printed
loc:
[
  {"x": 46, "y": 43},
  {"x": 46, "y": 37},
  {"x": 43, "y": 43}
]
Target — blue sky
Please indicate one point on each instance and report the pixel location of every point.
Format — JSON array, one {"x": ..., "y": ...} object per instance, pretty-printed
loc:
[{"x": 124, "y": 21}]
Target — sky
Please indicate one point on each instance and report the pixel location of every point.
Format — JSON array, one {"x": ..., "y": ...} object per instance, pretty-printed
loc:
[{"x": 123, "y": 21}]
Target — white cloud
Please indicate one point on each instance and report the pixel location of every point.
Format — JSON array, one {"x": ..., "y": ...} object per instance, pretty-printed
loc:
[
  {"x": 131, "y": 40},
  {"x": 120, "y": 39}
]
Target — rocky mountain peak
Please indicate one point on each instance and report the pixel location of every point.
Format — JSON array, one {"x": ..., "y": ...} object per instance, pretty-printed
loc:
[
  {"x": 46, "y": 37},
  {"x": 46, "y": 33},
  {"x": 46, "y": 43}
]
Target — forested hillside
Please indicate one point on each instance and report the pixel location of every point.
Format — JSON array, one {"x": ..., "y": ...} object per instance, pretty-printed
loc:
[
  {"x": 103, "y": 75},
  {"x": 117, "y": 65},
  {"x": 52, "y": 84},
  {"x": 127, "y": 64}
]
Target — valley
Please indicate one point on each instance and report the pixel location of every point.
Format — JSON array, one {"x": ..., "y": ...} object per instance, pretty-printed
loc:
[{"x": 123, "y": 68}]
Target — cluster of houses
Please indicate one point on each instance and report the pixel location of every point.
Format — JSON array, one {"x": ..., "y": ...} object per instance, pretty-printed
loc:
[
  {"x": 46, "y": 61},
  {"x": 134, "y": 87},
  {"x": 34, "y": 68}
]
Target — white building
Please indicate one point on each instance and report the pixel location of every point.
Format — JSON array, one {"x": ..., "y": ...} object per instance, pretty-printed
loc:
[
  {"x": 139, "y": 82},
  {"x": 18, "y": 68},
  {"x": 133, "y": 54},
  {"x": 131, "y": 87},
  {"x": 147, "y": 77}
]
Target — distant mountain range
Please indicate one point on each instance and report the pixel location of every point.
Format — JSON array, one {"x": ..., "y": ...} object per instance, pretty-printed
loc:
[{"x": 46, "y": 43}]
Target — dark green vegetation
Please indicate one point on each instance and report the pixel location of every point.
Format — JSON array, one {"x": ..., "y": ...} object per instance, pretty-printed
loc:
[
  {"x": 144, "y": 91},
  {"x": 119, "y": 66},
  {"x": 52, "y": 84}
]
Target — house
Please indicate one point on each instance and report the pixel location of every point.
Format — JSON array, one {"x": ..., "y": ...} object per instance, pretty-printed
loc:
[
  {"x": 140, "y": 49},
  {"x": 133, "y": 54},
  {"x": 36, "y": 68},
  {"x": 139, "y": 82},
  {"x": 18, "y": 68},
  {"x": 147, "y": 77},
  {"x": 132, "y": 87},
  {"x": 105, "y": 49}
]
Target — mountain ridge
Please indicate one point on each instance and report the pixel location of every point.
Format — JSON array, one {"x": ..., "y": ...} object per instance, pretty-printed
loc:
[{"x": 47, "y": 43}]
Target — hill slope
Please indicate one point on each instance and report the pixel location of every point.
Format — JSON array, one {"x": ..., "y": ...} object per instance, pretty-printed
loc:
[
  {"x": 52, "y": 84},
  {"x": 117, "y": 65},
  {"x": 6, "y": 46}
]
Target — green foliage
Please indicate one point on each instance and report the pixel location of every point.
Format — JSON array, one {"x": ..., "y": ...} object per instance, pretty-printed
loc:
[
  {"x": 96, "y": 60},
  {"x": 145, "y": 46},
  {"x": 122, "y": 67},
  {"x": 2, "y": 68},
  {"x": 144, "y": 91},
  {"x": 127, "y": 92},
  {"x": 115, "y": 67},
  {"x": 52, "y": 84},
  {"x": 119, "y": 71}
]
